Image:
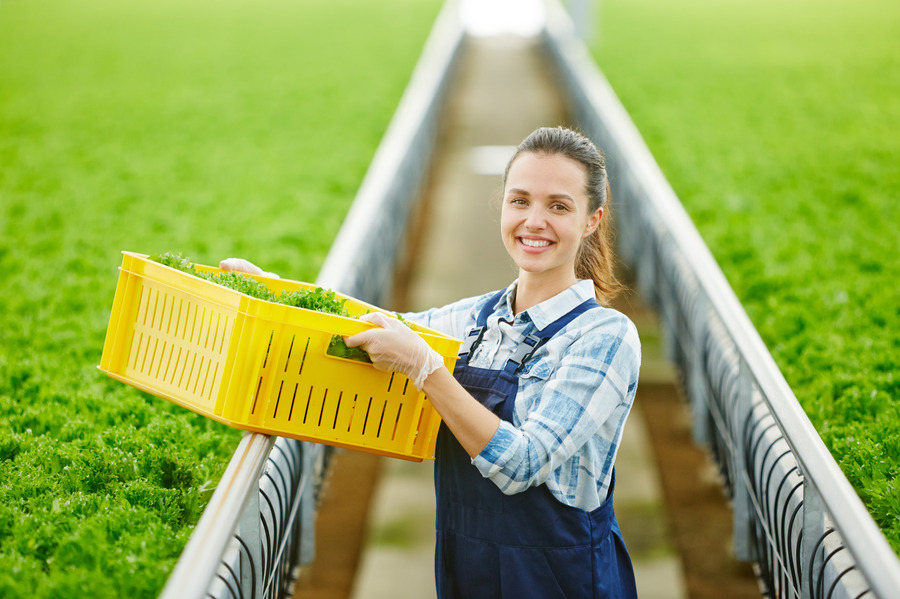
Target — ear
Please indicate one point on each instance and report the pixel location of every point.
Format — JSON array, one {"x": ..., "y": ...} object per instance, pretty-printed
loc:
[{"x": 593, "y": 223}]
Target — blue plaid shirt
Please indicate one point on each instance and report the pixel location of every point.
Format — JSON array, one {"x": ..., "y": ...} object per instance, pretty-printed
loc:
[{"x": 574, "y": 394}]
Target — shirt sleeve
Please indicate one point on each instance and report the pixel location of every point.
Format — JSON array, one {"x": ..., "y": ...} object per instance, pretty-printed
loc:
[
  {"x": 585, "y": 400},
  {"x": 452, "y": 319}
]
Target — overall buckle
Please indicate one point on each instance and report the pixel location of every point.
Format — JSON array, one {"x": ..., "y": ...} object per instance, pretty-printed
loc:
[
  {"x": 473, "y": 338},
  {"x": 524, "y": 351}
]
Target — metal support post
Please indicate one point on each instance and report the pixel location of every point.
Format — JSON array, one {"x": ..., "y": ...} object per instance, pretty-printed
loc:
[
  {"x": 812, "y": 548},
  {"x": 742, "y": 506},
  {"x": 308, "y": 505},
  {"x": 251, "y": 558}
]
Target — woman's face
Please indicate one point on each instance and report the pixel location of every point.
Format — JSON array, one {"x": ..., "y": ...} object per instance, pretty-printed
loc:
[{"x": 545, "y": 215}]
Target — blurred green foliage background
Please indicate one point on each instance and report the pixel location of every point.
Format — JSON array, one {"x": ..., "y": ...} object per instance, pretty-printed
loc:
[
  {"x": 776, "y": 123},
  {"x": 210, "y": 128},
  {"x": 244, "y": 128}
]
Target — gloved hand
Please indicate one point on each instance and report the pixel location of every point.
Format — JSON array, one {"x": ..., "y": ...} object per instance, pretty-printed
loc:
[
  {"x": 241, "y": 265},
  {"x": 397, "y": 348}
]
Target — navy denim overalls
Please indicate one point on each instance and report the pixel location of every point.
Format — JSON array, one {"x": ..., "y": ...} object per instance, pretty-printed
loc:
[{"x": 491, "y": 545}]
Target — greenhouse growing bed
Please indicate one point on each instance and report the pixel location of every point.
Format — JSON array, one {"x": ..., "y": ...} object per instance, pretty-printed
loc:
[
  {"x": 212, "y": 129},
  {"x": 775, "y": 124}
]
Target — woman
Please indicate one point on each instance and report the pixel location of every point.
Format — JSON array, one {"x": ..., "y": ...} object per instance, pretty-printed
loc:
[{"x": 534, "y": 411}]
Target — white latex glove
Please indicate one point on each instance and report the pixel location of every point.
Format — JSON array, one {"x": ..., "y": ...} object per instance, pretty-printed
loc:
[
  {"x": 397, "y": 348},
  {"x": 241, "y": 265}
]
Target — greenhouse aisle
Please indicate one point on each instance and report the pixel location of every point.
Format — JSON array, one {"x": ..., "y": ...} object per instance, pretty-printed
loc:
[
  {"x": 375, "y": 529},
  {"x": 503, "y": 92}
]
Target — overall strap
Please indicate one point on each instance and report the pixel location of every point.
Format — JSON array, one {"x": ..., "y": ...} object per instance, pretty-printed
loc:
[
  {"x": 532, "y": 342},
  {"x": 474, "y": 335}
]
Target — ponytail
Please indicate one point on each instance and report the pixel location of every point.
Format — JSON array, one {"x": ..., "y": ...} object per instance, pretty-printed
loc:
[{"x": 595, "y": 259}]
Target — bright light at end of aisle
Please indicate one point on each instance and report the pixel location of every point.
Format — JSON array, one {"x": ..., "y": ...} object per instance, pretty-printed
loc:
[
  {"x": 490, "y": 160},
  {"x": 484, "y": 18}
]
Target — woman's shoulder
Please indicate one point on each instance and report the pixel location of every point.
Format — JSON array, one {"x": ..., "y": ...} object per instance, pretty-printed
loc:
[
  {"x": 472, "y": 305},
  {"x": 602, "y": 315},
  {"x": 600, "y": 335},
  {"x": 600, "y": 324}
]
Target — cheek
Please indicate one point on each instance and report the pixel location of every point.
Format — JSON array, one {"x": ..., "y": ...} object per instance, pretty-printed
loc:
[{"x": 507, "y": 221}]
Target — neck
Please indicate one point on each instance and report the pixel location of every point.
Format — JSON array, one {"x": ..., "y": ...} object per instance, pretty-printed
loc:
[{"x": 533, "y": 289}]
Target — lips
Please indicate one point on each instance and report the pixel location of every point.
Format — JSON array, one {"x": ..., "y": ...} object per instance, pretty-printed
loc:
[{"x": 535, "y": 243}]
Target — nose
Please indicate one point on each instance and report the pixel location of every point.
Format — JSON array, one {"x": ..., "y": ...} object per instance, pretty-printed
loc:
[{"x": 535, "y": 220}]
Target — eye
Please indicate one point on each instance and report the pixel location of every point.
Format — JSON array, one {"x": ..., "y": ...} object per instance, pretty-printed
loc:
[
  {"x": 518, "y": 201},
  {"x": 559, "y": 207}
]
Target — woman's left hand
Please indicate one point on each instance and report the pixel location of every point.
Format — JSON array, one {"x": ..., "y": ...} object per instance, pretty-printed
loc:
[
  {"x": 396, "y": 347},
  {"x": 241, "y": 265}
]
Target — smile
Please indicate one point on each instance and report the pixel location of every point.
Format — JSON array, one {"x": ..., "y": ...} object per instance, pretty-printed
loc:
[{"x": 535, "y": 243}]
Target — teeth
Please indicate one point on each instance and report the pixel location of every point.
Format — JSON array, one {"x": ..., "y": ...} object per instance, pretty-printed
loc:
[{"x": 535, "y": 243}]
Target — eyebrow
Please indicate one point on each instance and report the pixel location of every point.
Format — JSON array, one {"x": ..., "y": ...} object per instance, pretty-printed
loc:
[{"x": 553, "y": 196}]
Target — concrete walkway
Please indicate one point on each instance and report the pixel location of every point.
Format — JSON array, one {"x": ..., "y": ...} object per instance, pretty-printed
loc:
[{"x": 502, "y": 92}]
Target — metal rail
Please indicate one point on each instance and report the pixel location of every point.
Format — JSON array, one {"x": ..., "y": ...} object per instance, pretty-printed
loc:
[
  {"x": 795, "y": 513},
  {"x": 258, "y": 526}
]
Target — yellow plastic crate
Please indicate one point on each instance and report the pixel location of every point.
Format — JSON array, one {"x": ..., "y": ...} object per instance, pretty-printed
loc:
[{"x": 262, "y": 366}]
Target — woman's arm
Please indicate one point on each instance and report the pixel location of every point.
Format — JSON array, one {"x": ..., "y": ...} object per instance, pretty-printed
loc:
[
  {"x": 394, "y": 346},
  {"x": 589, "y": 392},
  {"x": 471, "y": 423},
  {"x": 400, "y": 349},
  {"x": 452, "y": 319},
  {"x": 585, "y": 400}
]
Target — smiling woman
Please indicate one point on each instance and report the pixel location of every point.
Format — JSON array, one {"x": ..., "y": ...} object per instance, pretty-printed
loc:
[{"x": 535, "y": 409}]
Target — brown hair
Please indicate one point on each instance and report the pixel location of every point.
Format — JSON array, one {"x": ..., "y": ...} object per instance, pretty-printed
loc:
[{"x": 595, "y": 258}]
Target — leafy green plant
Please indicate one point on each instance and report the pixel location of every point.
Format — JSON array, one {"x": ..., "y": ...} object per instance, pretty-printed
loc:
[
  {"x": 222, "y": 127},
  {"x": 339, "y": 349},
  {"x": 318, "y": 299}
]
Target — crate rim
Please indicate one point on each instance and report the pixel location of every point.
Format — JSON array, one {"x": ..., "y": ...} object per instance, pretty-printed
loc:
[{"x": 350, "y": 322}]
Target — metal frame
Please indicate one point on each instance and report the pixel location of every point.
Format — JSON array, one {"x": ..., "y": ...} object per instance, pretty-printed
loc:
[
  {"x": 258, "y": 527},
  {"x": 795, "y": 514}
]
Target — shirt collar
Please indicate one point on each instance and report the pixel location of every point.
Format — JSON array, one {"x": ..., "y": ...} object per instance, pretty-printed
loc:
[{"x": 550, "y": 310}]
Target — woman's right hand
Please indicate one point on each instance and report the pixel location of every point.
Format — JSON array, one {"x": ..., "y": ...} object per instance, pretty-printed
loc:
[
  {"x": 396, "y": 347},
  {"x": 241, "y": 265}
]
